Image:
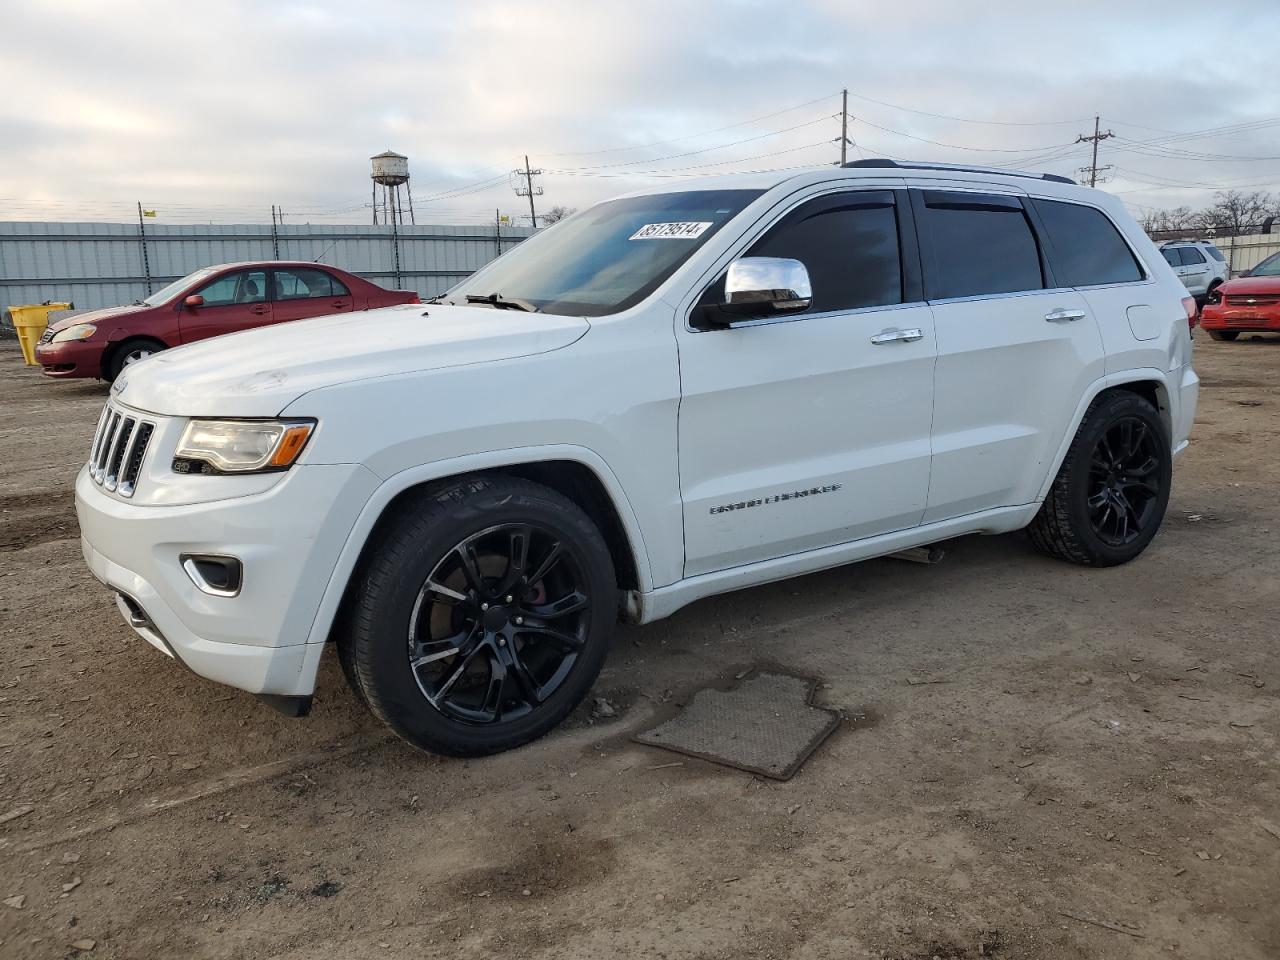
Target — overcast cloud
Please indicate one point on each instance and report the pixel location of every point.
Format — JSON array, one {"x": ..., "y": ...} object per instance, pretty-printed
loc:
[{"x": 217, "y": 110}]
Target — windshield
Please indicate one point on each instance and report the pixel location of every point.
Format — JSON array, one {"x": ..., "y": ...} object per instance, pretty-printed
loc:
[
  {"x": 1269, "y": 267},
  {"x": 609, "y": 257},
  {"x": 167, "y": 293}
]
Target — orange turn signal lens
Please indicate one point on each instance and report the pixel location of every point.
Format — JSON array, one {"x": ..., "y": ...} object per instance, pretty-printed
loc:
[{"x": 290, "y": 445}]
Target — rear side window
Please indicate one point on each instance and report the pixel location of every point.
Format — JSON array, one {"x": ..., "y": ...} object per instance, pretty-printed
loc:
[
  {"x": 1087, "y": 248},
  {"x": 1190, "y": 255},
  {"x": 977, "y": 244},
  {"x": 849, "y": 245},
  {"x": 303, "y": 283},
  {"x": 1214, "y": 252}
]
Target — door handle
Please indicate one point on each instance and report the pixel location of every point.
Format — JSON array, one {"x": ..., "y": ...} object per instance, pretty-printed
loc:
[
  {"x": 890, "y": 336},
  {"x": 1062, "y": 315},
  {"x": 258, "y": 310}
]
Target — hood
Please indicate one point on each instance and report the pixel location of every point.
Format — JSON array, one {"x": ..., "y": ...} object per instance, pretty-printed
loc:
[
  {"x": 1246, "y": 285},
  {"x": 258, "y": 373},
  {"x": 95, "y": 316}
]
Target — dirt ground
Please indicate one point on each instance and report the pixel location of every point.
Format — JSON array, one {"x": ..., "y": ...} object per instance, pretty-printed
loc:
[{"x": 1038, "y": 760}]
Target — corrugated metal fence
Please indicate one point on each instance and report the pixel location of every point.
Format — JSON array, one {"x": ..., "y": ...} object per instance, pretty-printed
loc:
[
  {"x": 1247, "y": 251},
  {"x": 105, "y": 264}
]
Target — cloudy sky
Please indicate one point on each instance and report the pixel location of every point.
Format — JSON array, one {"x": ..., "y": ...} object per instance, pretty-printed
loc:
[{"x": 215, "y": 110}]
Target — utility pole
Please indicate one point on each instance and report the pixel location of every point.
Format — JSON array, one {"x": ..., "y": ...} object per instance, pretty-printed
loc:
[
  {"x": 529, "y": 190},
  {"x": 142, "y": 237},
  {"x": 497, "y": 232},
  {"x": 844, "y": 126},
  {"x": 275, "y": 237},
  {"x": 1093, "y": 169}
]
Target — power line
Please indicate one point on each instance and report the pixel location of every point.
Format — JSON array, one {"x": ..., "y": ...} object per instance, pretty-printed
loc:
[
  {"x": 957, "y": 146},
  {"x": 943, "y": 116},
  {"x": 690, "y": 153},
  {"x": 677, "y": 171},
  {"x": 690, "y": 136}
]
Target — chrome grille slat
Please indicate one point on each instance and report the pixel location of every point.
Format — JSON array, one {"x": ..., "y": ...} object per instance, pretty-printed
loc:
[
  {"x": 119, "y": 447},
  {"x": 131, "y": 464},
  {"x": 97, "y": 435},
  {"x": 108, "y": 439},
  {"x": 117, "y": 432},
  {"x": 123, "y": 441}
]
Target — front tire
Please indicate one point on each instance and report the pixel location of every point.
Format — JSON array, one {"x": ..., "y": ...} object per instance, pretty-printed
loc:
[
  {"x": 1111, "y": 493},
  {"x": 127, "y": 352},
  {"x": 1227, "y": 335},
  {"x": 481, "y": 615}
]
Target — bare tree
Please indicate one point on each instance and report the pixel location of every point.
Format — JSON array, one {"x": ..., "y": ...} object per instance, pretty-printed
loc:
[
  {"x": 556, "y": 214},
  {"x": 1169, "y": 221},
  {"x": 1235, "y": 211}
]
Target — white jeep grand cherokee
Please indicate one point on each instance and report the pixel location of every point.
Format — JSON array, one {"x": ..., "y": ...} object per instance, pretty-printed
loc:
[{"x": 673, "y": 394}]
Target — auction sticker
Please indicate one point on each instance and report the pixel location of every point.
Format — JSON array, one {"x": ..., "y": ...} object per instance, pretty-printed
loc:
[{"x": 678, "y": 230}]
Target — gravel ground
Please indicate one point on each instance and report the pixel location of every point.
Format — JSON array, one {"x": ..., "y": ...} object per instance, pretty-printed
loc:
[{"x": 1037, "y": 760}]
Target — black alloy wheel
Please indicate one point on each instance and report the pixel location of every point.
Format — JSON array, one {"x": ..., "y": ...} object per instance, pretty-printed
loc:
[
  {"x": 1110, "y": 494},
  {"x": 480, "y": 615},
  {"x": 1123, "y": 476},
  {"x": 499, "y": 623}
]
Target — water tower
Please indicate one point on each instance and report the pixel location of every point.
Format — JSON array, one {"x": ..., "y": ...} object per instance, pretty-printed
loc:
[{"x": 390, "y": 171}]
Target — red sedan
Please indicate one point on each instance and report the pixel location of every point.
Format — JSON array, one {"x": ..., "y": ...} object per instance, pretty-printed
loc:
[
  {"x": 209, "y": 302},
  {"x": 1249, "y": 303}
]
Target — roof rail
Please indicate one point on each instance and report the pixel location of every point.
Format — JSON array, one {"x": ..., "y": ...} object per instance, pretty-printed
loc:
[{"x": 959, "y": 168}]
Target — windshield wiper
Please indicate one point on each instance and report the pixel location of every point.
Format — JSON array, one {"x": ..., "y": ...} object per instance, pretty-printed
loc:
[{"x": 499, "y": 302}]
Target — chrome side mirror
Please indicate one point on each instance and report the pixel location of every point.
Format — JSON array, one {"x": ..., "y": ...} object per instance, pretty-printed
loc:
[{"x": 765, "y": 285}]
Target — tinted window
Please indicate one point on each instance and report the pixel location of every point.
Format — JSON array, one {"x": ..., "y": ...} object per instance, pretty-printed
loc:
[
  {"x": 607, "y": 258},
  {"x": 301, "y": 283},
  {"x": 849, "y": 245},
  {"x": 979, "y": 244},
  {"x": 1087, "y": 248},
  {"x": 1190, "y": 255},
  {"x": 1171, "y": 256},
  {"x": 247, "y": 286},
  {"x": 1214, "y": 252}
]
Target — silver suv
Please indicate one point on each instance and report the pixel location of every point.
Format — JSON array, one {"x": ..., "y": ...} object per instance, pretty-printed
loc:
[{"x": 1199, "y": 265}]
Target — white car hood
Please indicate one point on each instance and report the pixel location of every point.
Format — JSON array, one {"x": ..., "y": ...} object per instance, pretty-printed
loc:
[{"x": 257, "y": 373}]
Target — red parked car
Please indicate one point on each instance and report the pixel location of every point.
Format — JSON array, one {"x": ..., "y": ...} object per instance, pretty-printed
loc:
[
  {"x": 1249, "y": 303},
  {"x": 211, "y": 301}
]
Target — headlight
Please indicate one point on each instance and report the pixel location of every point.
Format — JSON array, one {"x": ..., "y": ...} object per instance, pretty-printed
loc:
[
  {"x": 77, "y": 331},
  {"x": 240, "y": 446}
]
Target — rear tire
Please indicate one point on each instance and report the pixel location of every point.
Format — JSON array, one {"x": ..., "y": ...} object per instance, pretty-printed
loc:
[
  {"x": 1110, "y": 495},
  {"x": 481, "y": 615},
  {"x": 1227, "y": 335},
  {"x": 127, "y": 352}
]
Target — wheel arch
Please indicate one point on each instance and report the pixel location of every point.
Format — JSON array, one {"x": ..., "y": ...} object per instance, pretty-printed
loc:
[
  {"x": 1150, "y": 384},
  {"x": 119, "y": 339},
  {"x": 575, "y": 472}
]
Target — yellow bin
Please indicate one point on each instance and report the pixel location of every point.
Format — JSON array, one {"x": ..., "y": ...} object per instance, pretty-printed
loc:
[{"x": 30, "y": 322}]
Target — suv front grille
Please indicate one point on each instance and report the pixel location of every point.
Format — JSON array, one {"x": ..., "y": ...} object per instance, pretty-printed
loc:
[{"x": 119, "y": 447}]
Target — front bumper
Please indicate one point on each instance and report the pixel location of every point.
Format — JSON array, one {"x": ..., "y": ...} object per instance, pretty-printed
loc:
[
  {"x": 72, "y": 358},
  {"x": 1220, "y": 316},
  {"x": 288, "y": 539}
]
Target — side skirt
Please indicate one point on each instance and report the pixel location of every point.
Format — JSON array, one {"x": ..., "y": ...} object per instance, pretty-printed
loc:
[{"x": 657, "y": 604}]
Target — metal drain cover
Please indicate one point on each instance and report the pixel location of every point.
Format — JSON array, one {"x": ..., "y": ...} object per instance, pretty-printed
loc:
[{"x": 765, "y": 725}]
